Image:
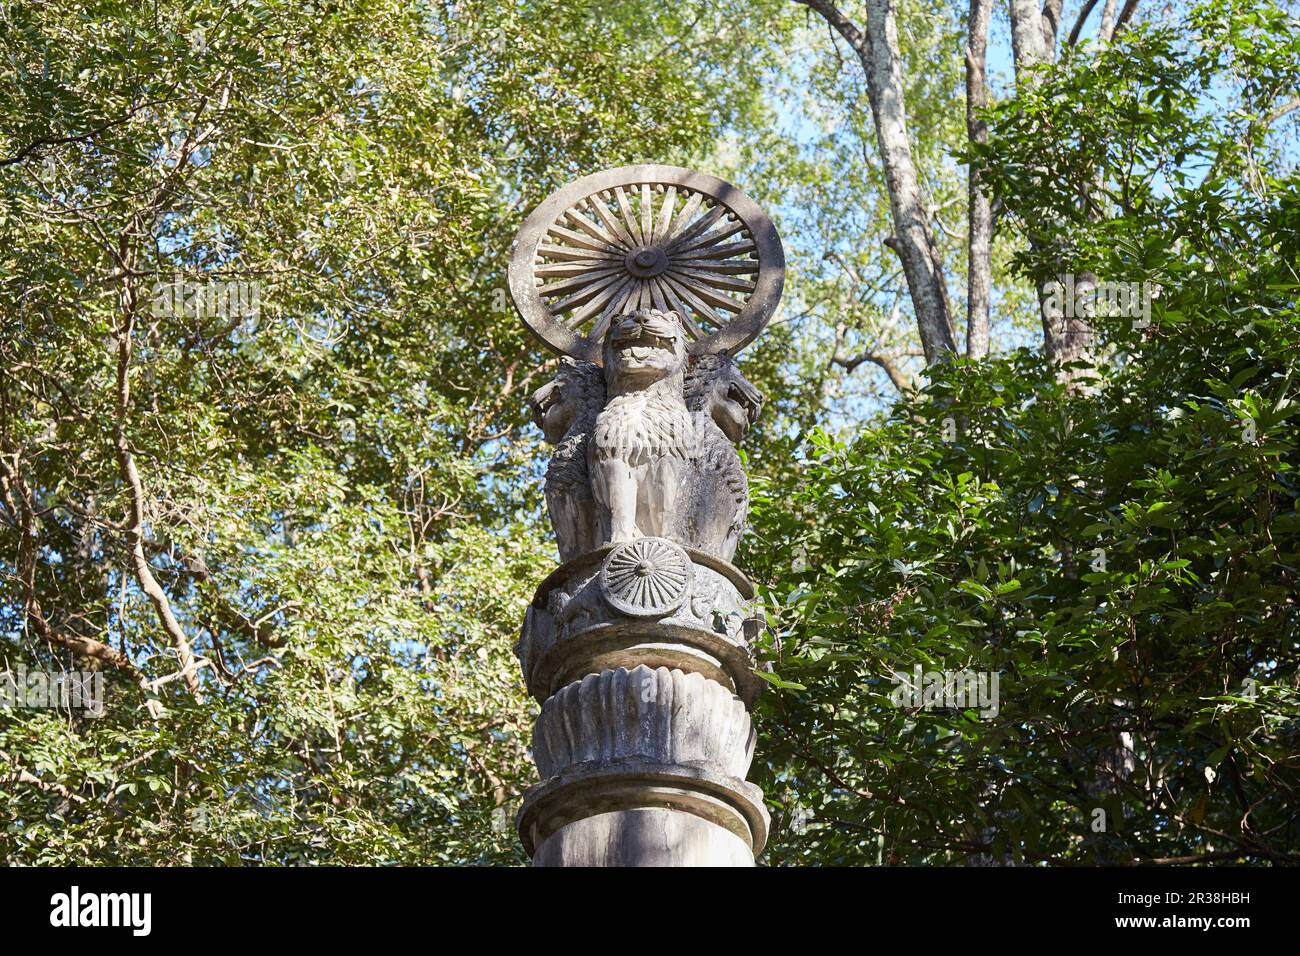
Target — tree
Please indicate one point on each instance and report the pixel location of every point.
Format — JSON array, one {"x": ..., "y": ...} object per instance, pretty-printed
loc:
[
  {"x": 262, "y": 407},
  {"x": 265, "y": 466},
  {"x": 913, "y": 239},
  {"x": 1123, "y": 558}
]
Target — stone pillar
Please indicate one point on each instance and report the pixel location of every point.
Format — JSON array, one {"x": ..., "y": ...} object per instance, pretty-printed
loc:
[
  {"x": 647, "y": 279},
  {"x": 644, "y": 738}
]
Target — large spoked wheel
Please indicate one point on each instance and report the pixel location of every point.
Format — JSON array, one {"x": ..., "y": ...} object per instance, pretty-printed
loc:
[{"x": 640, "y": 237}]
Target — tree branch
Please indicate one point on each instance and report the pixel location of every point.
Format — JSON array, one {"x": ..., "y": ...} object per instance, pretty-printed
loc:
[
  {"x": 23, "y": 776},
  {"x": 19, "y": 500},
  {"x": 1079, "y": 22},
  {"x": 134, "y": 529},
  {"x": 897, "y": 376}
]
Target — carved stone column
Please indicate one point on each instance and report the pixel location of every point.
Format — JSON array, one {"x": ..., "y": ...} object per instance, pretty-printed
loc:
[{"x": 638, "y": 646}]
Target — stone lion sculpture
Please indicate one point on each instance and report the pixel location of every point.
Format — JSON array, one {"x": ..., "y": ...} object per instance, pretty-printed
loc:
[
  {"x": 713, "y": 384},
  {"x": 565, "y": 409},
  {"x": 644, "y": 436},
  {"x": 645, "y": 444},
  {"x": 726, "y": 405}
]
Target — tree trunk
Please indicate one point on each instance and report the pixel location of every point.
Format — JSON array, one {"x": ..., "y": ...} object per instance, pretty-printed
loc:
[
  {"x": 1107, "y": 28},
  {"x": 1028, "y": 42},
  {"x": 979, "y": 242},
  {"x": 913, "y": 239},
  {"x": 1067, "y": 332}
]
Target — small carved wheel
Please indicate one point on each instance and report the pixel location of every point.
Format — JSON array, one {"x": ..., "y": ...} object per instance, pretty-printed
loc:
[
  {"x": 648, "y": 577},
  {"x": 640, "y": 237}
]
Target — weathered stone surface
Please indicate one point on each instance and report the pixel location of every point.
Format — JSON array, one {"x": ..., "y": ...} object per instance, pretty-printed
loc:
[
  {"x": 660, "y": 715},
  {"x": 573, "y": 628},
  {"x": 718, "y": 503},
  {"x": 640, "y": 644},
  {"x": 565, "y": 409},
  {"x": 649, "y": 836},
  {"x": 640, "y": 235},
  {"x": 646, "y": 578},
  {"x": 587, "y": 789},
  {"x": 645, "y": 446}
]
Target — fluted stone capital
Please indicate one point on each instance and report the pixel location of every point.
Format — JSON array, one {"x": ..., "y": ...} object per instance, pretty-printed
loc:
[
  {"x": 622, "y": 742},
  {"x": 658, "y": 715}
]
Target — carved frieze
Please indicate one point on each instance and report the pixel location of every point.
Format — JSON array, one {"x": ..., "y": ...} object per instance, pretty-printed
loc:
[{"x": 595, "y": 611}]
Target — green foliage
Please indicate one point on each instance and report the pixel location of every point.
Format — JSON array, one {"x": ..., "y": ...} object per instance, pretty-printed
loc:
[
  {"x": 1124, "y": 555},
  {"x": 1127, "y": 563},
  {"x": 337, "y": 492},
  {"x": 1169, "y": 115}
]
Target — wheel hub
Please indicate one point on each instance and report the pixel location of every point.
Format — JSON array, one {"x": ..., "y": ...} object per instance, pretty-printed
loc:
[{"x": 647, "y": 262}]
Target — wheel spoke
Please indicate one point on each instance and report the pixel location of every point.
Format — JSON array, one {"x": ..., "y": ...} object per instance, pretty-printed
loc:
[
  {"x": 577, "y": 282},
  {"x": 684, "y": 217},
  {"x": 548, "y": 251},
  {"x": 597, "y": 302},
  {"x": 697, "y": 227},
  {"x": 574, "y": 267},
  {"x": 583, "y": 295},
  {"x": 717, "y": 280},
  {"x": 703, "y": 311},
  {"x": 707, "y": 294},
  {"x": 629, "y": 220},
  {"x": 589, "y": 227},
  {"x": 711, "y": 238},
  {"x": 720, "y": 251},
  {"x": 657, "y": 296},
  {"x": 666, "y": 214},
  {"x": 679, "y": 307},
  {"x": 647, "y": 214},
  {"x": 643, "y": 295},
  {"x": 578, "y": 239},
  {"x": 727, "y": 266},
  {"x": 616, "y": 301},
  {"x": 601, "y": 210}
]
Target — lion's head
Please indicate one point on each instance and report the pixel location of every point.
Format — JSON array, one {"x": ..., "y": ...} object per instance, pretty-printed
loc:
[
  {"x": 714, "y": 385},
  {"x": 577, "y": 390},
  {"x": 644, "y": 347}
]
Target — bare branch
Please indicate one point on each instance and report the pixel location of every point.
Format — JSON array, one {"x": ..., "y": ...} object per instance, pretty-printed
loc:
[
  {"x": 1289, "y": 106},
  {"x": 134, "y": 528},
  {"x": 20, "y": 502},
  {"x": 47, "y": 142},
  {"x": 1079, "y": 22},
  {"x": 900, "y": 379}
]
